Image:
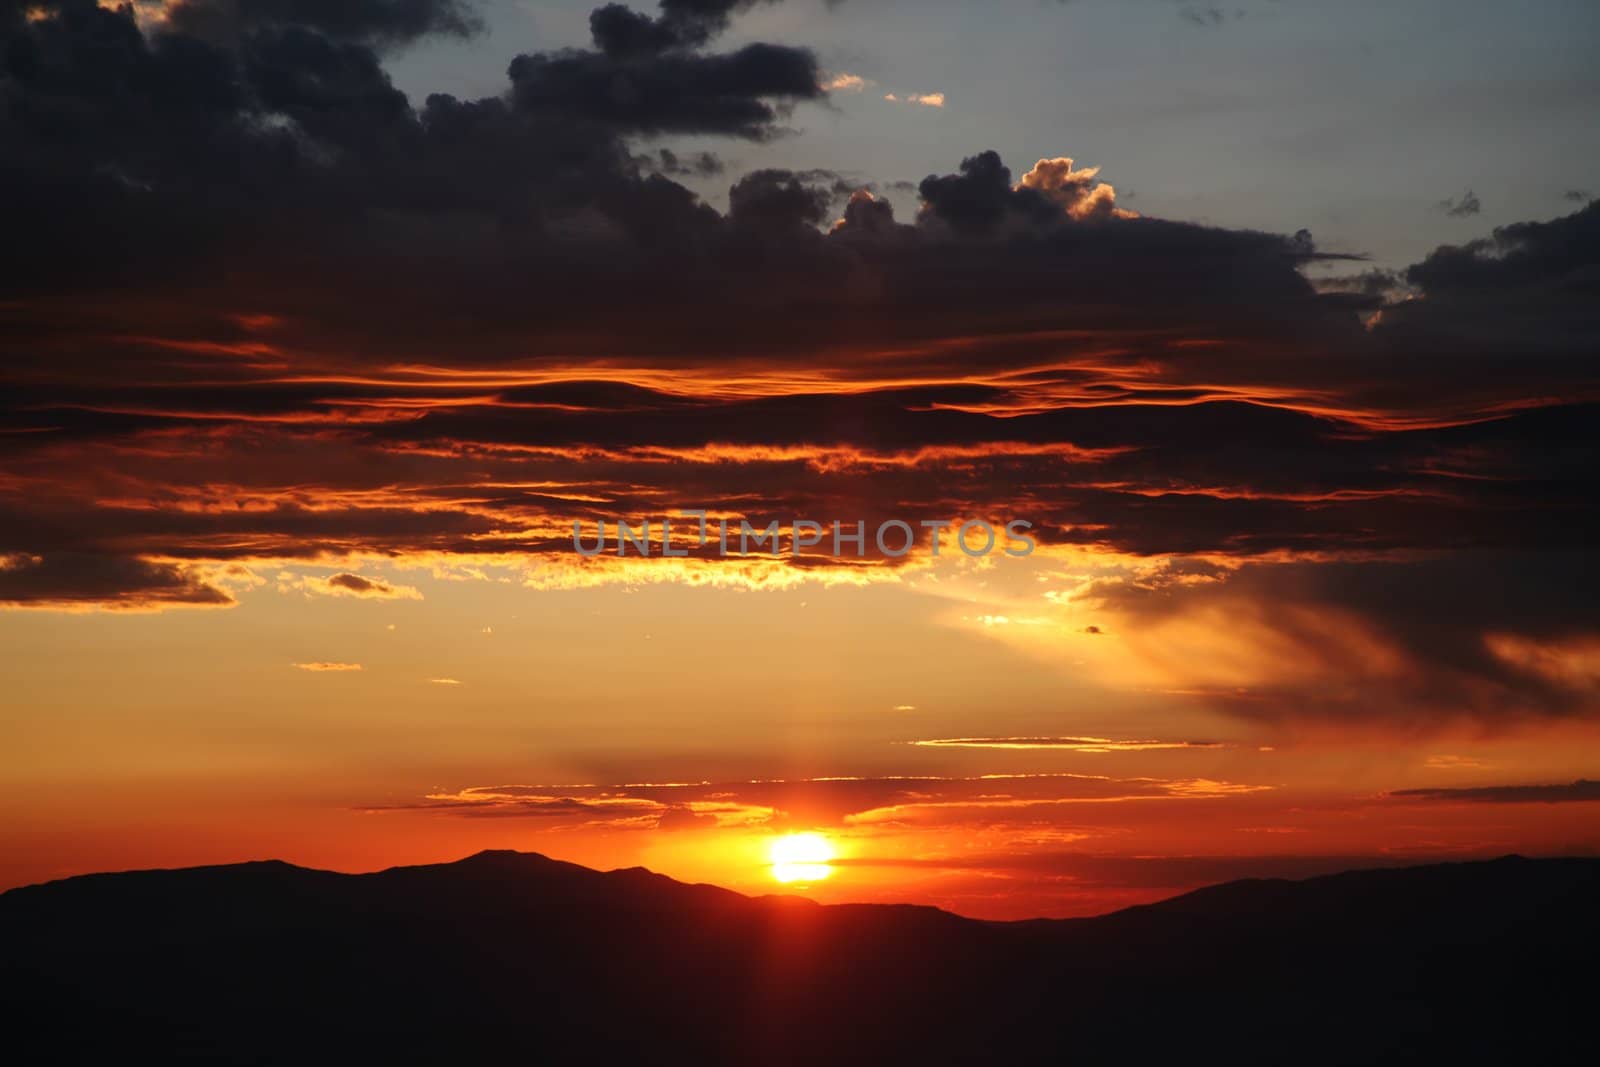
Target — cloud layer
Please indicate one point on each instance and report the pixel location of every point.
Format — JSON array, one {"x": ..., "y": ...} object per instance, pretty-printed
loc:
[{"x": 272, "y": 309}]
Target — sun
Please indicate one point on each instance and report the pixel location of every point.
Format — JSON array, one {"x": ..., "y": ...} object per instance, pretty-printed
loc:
[{"x": 801, "y": 858}]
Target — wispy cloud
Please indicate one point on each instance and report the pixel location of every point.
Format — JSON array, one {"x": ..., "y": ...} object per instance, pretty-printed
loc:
[
  {"x": 1450, "y": 763},
  {"x": 1461, "y": 207},
  {"x": 1071, "y": 744},
  {"x": 324, "y": 665},
  {"x": 924, "y": 99},
  {"x": 1582, "y": 790}
]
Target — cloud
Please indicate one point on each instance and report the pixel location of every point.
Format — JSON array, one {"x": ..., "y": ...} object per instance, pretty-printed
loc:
[
  {"x": 380, "y": 22},
  {"x": 695, "y": 165},
  {"x": 935, "y": 100},
  {"x": 1464, "y": 206},
  {"x": 1448, "y": 762},
  {"x": 741, "y": 94},
  {"x": 1581, "y": 790},
  {"x": 116, "y": 583},
  {"x": 867, "y": 804},
  {"x": 671, "y": 806},
  {"x": 1197, "y": 14},
  {"x": 465, "y": 323},
  {"x": 443, "y": 681},
  {"x": 327, "y": 666},
  {"x": 355, "y": 585},
  {"x": 1069, "y": 744},
  {"x": 682, "y": 25},
  {"x": 1403, "y": 645},
  {"x": 1078, "y": 192},
  {"x": 982, "y": 198},
  {"x": 847, "y": 83}
]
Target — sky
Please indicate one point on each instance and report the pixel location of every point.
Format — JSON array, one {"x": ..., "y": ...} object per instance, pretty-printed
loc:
[{"x": 1274, "y": 320}]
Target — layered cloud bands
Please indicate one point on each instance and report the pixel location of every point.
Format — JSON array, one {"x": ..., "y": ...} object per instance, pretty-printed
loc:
[{"x": 269, "y": 308}]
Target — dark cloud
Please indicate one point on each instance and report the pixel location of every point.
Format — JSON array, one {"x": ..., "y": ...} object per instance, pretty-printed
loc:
[
  {"x": 1499, "y": 638},
  {"x": 273, "y": 308},
  {"x": 980, "y": 199},
  {"x": 353, "y": 582},
  {"x": 382, "y": 22},
  {"x": 777, "y": 199},
  {"x": 683, "y": 24},
  {"x": 1202, "y": 15},
  {"x": 1196, "y": 14},
  {"x": 1581, "y": 790},
  {"x": 356, "y": 585},
  {"x": 1464, "y": 206},
  {"x": 742, "y": 93},
  {"x": 693, "y": 165},
  {"x": 71, "y": 579}
]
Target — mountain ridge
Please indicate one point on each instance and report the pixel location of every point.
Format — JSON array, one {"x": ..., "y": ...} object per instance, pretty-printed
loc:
[{"x": 506, "y": 953}]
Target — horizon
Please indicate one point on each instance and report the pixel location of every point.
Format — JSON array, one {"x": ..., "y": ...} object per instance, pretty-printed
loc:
[
  {"x": 780, "y": 891},
  {"x": 1046, "y": 456}
]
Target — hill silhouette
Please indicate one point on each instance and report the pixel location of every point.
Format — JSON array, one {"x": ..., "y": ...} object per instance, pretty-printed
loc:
[{"x": 514, "y": 957}]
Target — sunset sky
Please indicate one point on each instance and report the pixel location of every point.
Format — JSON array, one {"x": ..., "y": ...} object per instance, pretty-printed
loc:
[{"x": 321, "y": 325}]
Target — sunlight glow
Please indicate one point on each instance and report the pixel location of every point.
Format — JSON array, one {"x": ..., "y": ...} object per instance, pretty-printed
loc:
[{"x": 801, "y": 858}]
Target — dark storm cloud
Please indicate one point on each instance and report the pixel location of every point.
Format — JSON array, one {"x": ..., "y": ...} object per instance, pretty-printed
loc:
[
  {"x": 1581, "y": 790},
  {"x": 383, "y": 22}
]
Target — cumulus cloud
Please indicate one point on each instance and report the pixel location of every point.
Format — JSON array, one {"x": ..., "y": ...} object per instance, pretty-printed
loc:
[{"x": 1079, "y": 192}]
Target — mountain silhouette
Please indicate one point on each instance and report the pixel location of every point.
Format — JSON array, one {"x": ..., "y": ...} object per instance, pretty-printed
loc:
[{"x": 508, "y": 957}]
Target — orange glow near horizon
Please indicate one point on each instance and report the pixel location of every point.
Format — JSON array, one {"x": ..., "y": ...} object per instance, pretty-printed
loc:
[{"x": 801, "y": 858}]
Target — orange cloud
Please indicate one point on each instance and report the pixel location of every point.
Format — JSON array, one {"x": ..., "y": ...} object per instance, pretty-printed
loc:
[{"x": 1067, "y": 744}]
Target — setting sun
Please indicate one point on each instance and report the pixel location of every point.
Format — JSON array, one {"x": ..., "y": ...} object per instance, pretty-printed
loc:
[{"x": 801, "y": 858}]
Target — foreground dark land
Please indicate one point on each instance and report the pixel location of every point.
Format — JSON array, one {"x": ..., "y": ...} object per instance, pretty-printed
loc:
[{"x": 513, "y": 957}]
